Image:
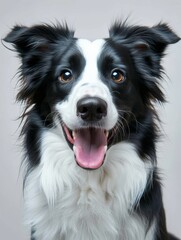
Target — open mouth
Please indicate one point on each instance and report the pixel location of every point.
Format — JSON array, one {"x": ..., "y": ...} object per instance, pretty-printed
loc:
[{"x": 89, "y": 145}]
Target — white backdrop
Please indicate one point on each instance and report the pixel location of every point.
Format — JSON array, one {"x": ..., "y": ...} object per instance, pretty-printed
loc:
[{"x": 91, "y": 19}]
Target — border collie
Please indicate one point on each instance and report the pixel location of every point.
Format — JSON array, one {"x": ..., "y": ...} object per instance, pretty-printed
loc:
[{"x": 90, "y": 130}]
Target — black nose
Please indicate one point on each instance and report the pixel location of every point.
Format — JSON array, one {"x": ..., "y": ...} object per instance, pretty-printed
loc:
[{"x": 91, "y": 108}]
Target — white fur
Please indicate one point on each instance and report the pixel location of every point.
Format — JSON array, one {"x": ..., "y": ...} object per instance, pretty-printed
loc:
[
  {"x": 66, "y": 202},
  {"x": 89, "y": 84}
]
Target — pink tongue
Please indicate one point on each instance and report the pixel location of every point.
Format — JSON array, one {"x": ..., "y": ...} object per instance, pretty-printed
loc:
[{"x": 90, "y": 147}]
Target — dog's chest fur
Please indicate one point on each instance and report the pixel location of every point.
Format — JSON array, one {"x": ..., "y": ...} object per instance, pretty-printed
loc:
[{"x": 66, "y": 202}]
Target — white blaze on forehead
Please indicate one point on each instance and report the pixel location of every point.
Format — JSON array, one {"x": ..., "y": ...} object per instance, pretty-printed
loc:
[
  {"x": 90, "y": 83},
  {"x": 91, "y": 52}
]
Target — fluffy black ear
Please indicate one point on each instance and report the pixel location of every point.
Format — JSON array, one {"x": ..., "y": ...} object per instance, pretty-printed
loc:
[
  {"x": 35, "y": 46},
  {"x": 147, "y": 47},
  {"x": 161, "y": 35},
  {"x": 157, "y": 37},
  {"x": 38, "y": 37},
  {"x": 165, "y": 34},
  {"x": 16, "y": 37}
]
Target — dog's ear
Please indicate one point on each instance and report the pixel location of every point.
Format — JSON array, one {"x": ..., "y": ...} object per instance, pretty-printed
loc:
[
  {"x": 156, "y": 38},
  {"x": 35, "y": 46},
  {"x": 36, "y": 38},
  {"x": 26, "y": 39},
  {"x": 147, "y": 47}
]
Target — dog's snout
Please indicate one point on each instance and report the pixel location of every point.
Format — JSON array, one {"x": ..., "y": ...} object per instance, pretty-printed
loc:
[{"x": 91, "y": 108}]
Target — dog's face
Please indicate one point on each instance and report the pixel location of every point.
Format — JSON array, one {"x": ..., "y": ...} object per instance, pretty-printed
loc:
[
  {"x": 101, "y": 96},
  {"x": 98, "y": 91}
]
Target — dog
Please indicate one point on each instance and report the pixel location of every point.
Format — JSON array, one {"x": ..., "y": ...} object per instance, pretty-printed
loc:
[{"x": 90, "y": 130}]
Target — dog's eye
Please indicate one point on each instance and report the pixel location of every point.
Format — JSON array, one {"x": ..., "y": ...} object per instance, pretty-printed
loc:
[
  {"x": 66, "y": 76},
  {"x": 117, "y": 76}
]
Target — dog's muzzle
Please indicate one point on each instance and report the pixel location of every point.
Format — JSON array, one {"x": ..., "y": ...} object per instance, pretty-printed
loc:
[{"x": 89, "y": 141}]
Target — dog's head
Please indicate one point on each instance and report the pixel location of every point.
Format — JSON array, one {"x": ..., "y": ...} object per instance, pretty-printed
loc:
[{"x": 99, "y": 91}]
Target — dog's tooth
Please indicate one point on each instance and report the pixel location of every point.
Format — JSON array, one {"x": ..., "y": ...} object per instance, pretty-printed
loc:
[
  {"x": 105, "y": 148},
  {"x": 107, "y": 133},
  {"x": 73, "y": 134},
  {"x": 74, "y": 148}
]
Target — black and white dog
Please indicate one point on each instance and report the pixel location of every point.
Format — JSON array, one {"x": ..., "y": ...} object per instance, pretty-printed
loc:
[{"x": 90, "y": 129}]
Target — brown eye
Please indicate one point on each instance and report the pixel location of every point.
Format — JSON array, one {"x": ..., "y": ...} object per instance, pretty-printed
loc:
[
  {"x": 66, "y": 76},
  {"x": 117, "y": 76}
]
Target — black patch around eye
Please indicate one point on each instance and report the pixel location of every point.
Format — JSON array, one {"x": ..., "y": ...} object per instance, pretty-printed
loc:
[
  {"x": 72, "y": 61},
  {"x": 67, "y": 66}
]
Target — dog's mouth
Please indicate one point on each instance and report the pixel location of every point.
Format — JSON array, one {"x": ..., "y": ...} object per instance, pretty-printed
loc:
[{"x": 89, "y": 145}]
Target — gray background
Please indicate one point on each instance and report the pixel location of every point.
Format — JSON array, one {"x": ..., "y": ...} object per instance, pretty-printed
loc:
[{"x": 92, "y": 20}]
